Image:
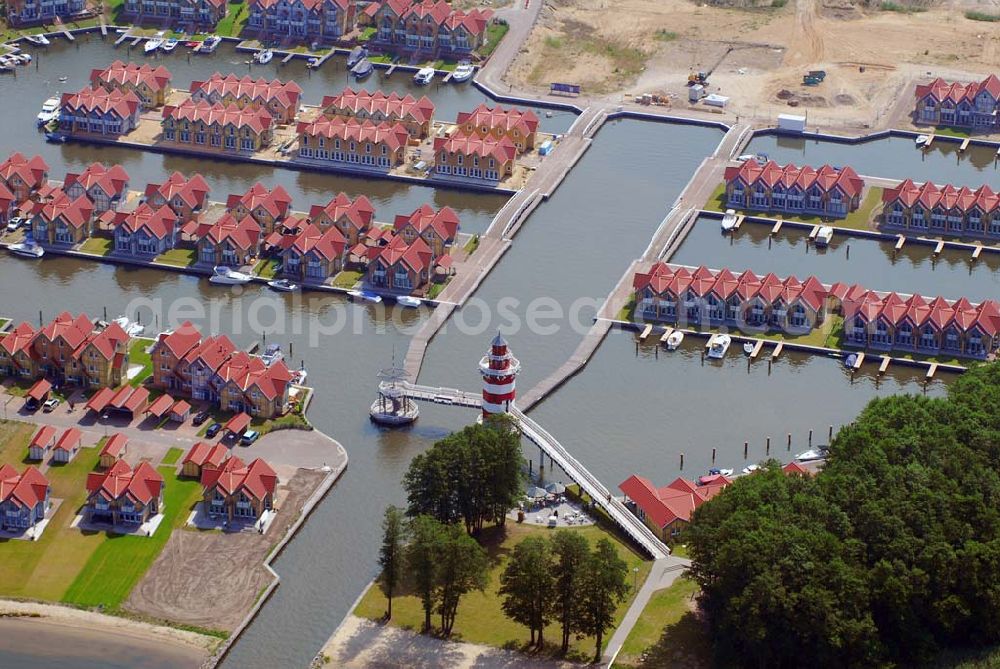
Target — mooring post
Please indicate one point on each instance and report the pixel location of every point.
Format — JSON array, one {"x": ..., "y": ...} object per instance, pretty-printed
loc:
[
  {"x": 682, "y": 461},
  {"x": 713, "y": 455},
  {"x": 746, "y": 447},
  {"x": 829, "y": 435},
  {"x": 789, "y": 447},
  {"x": 810, "y": 437},
  {"x": 767, "y": 447}
]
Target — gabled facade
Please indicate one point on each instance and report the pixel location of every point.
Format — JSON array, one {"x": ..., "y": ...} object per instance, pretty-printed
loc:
[
  {"x": 353, "y": 218},
  {"x": 314, "y": 256},
  {"x": 246, "y": 384},
  {"x": 202, "y": 457},
  {"x": 106, "y": 187},
  {"x": 265, "y": 206},
  {"x": 278, "y": 98},
  {"x": 229, "y": 242},
  {"x": 974, "y": 106},
  {"x": 24, "y": 498},
  {"x": 67, "y": 446},
  {"x": 436, "y": 227},
  {"x": 667, "y": 510},
  {"x": 40, "y": 446},
  {"x": 144, "y": 232},
  {"x": 351, "y": 143},
  {"x": 34, "y": 12},
  {"x": 23, "y": 177},
  {"x": 927, "y": 209},
  {"x": 471, "y": 159},
  {"x": 828, "y": 191},
  {"x": 237, "y": 491},
  {"x": 124, "y": 496},
  {"x": 520, "y": 127},
  {"x": 17, "y": 357},
  {"x": 400, "y": 266},
  {"x": 63, "y": 221},
  {"x": 189, "y": 15},
  {"x": 97, "y": 111},
  {"x": 150, "y": 84},
  {"x": 415, "y": 115},
  {"x": 428, "y": 28},
  {"x": 300, "y": 21},
  {"x": 187, "y": 197},
  {"x": 217, "y": 127}
]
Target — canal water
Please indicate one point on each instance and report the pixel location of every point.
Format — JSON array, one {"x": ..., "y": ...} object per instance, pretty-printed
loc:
[
  {"x": 872, "y": 263},
  {"x": 889, "y": 157}
]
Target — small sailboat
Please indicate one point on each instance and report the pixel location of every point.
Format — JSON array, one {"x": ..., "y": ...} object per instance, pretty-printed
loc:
[
  {"x": 227, "y": 276},
  {"x": 169, "y": 45},
  {"x": 748, "y": 347},
  {"x": 357, "y": 54},
  {"x": 152, "y": 44},
  {"x": 824, "y": 235},
  {"x": 729, "y": 220},
  {"x": 424, "y": 76},
  {"x": 920, "y": 140},
  {"x": 282, "y": 286},
  {"x": 408, "y": 301},
  {"x": 674, "y": 340},
  {"x": 362, "y": 69},
  {"x": 365, "y": 295},
  {"x": 264, "y": 57},
  {"x": 27, "y": 249},
  {"x": 463, "y": 72},
  {"x": 718, "y": 345}
]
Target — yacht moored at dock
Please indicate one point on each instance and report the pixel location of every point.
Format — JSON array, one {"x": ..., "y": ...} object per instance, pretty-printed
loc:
[
  {"x": 463, "y": 72},
  {"x": 729, "y": 220},
  {"x": 282, "y": 285},
  {"x": 408, "y": 301},
  {"x": 718, "y": 345},
  {"x": 424, "y": 76},
  {"x": 50, "y": 110},
  {"x": 169, "y": 45},
  {"x": 357, "y": 54},
  {"x": 27, "y": 249},
  {"x": 674, "y": 340},
  {"x": 38, "y": 40},
  {"x": 227, "y": 276},
  {"x": 209, "y": 45},
  {"x": 264, "y": 57},
  {"x": 365, "y": 295},
  {"x": 824, "y": 235},
  {"x": 152, "y": 45},
  {"x": 132, "y": 328},
  {"x": 362, "y": 69}
]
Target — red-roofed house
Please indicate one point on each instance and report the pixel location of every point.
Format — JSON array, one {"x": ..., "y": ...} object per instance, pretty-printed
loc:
[
  {"x": 400, "y": 266},
  {"x": 187, "y": 197},
  {"x": 150, "y": 84},
  {"x": 101, "y": 360},
  {"x": 432, "y": 28},
  {"x": 348, "y": 142},
  {"x": 245, "y": 383},
  {"x": 22, "y": 176},
  {"x": 436, "y": 227},
  {"x": 266, "y": 206},
  {"x": 314, "y": 256},
  {"x": 17, "y": 357},
  {"x": 415, "y": 115},
  {"x": 280, "y": 99},
  {"x": 520, "y": 127},
  {"x": 352, "y": 217},
  {"x": 203, "y": 456},
  {"x": 41, "y": 444},
  {"x": 975, "y": 105},
  {"x": 67, "y": 446},
  {"x": 143, "y": 232},
  {"x": 123, "y": 496},
  {"x": 237, "y": 491},
  {"x": 190, "y": 16},
  {"x": 170, "y": 348},
  {"x": 8, "y": 204},
  {"x": 668, "y": 509},
  {"x": 942, "y": 210},
  {"x": 828, "y": 191},
  {"x": 300, "y": 21},
  {"x": 105, "y": 186},
  {"x": 471, "y": 159},
  {"x": 114, "y": 449},
  {"x": 63, "y": 220},
  {"x": 98, "y": 111},
  {"x": 217, "y": 127},
  {"x": 229, "y": 242},
  {"x": 24, "y": 498}
]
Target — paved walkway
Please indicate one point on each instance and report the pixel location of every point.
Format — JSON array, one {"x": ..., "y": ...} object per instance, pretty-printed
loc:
[{"x": 664, "y": 572}]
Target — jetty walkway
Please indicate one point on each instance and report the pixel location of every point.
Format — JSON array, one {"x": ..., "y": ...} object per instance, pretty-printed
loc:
[{"x": 549, "y": 445}]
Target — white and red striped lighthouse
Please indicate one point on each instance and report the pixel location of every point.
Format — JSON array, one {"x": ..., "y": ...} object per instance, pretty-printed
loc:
[{"x": 498, "y": 368}]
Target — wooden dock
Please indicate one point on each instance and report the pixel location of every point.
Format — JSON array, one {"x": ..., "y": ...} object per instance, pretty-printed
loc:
[
  {"x": 965, "y": 145},
  {"x": 646, "y": 332},
  {"x": 756, "y": 349},
  {"x": 666, "y": 335},
  {"x": 447, "y": 77},
  {"x": 104, "y": 28},
  {"x": 739, "y": 222},
  {"x": 777, "y": 350},
  {"x": 885, "y": 365},
  {"x": 976, "y": 251},
  {"x": 121, "y": 38},
  {"x": 392, "y": 68},
  {"x": 813, "y": 233},
  {"x": 931, "y": 371},
  {"x": 927, "y": 144},
  {"x": 66, "y": 33},
  {"x": 900, "y": 242},
  {"x": 859, "y": 361},
  {"x": 288, "y": 57},
  {"x": 938, "y": 248},
  {"x": 777, "y": 227},
  {"x": 136, "y": 41}
]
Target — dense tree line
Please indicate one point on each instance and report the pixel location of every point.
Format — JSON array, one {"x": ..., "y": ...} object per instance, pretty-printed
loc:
[
  {"x": 888, "y": 556},
  {"x": 474, "y": 476}
]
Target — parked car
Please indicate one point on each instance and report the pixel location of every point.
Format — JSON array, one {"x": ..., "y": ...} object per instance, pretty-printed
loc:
[
  {"x": 31, "y": 404},
  {"x": 213, "y": 430},
  {"x": 14, "y": 223},
  {"x": 201, "y": 417},
  {"x": 50, "y": 405},
  {"x": 249, "y": 437}
]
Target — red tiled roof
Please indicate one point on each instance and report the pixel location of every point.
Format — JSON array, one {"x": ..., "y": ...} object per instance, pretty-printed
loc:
[
  {"x": 19, "y": 338},
  {"x": 142, "y": 484},
  {"x": 246, "y": 371},
  {"x": 157, "y": 79},
  {"x": 180, "y": 408},
  {"x": 309, "y": 5},
  {"x": 257, "y": 120},
  {"x": 193, "y": 192},
  {"x": 676, "y": 501},
  {"x": 137, "y": 400},
  {"x": 69, "y": 440},
  {"x": 213, "y": 351},
  {"x": 947, "y": 197},
  {"x": 789, "y": 176},
  {"x": 73, "y": 330},
  {"x": 31, "y": 171},
  {"x": 441, "y": 14},
  {"x": 417, "y": 256},
  {"x": 503, "y": 149},
  {"x": 359, "y": 211},
  {"x": 107, "y": 342},
  {"x": 39, "y": 389},
  {"x": 99, "y": 400},
  {"x": 237, "y": 423},
  {"x": 941, "y": 90},
  {"x": 75, "y": 213},
  {"x": 329, "y": 244},
  {"x": 498, "y": 117},
  {"x": 243, "y": 235},
  {"x": 25, "y": 490},
  {"x": 257, "y": 479},
  {"x": 113, "y": 181},
  {"x": 444, "y": 222},
  {"x": 115, "y": 445},
  {"x": 261, "y": 90},
  {"x": 157, "y": 223},
  {"x": 391, "y": 106},
  {"x": 180, "y": 341},
  {"x": 118, "y": 102},
  {"x": 43, "y": 437},
  {"x": 795, "y": 468},
  {"x": 393, "y": 135},
  {"x": 160, "y": 405},
  {"x": 205, "y": 454},
  {"x": 276, "y": 201}
]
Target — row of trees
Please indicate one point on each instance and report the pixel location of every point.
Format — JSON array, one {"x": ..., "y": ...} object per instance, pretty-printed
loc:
[
  {"x": 561, "y": 580},
  {"x": 888, "y": 556},
  {"x": 474, "y": 476},
  {"x": 439, "y": 563}
]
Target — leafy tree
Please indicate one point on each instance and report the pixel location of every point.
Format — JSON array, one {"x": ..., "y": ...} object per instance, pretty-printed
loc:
[
  {"x": 462, "y": 567},
  {"x": 391, "y": 553},
  {"x": 602, "y": 588},
  {"x": 571, "y": 551},
  {"x": 528, "y": 587},
  {"x": 422, "y": 561}
]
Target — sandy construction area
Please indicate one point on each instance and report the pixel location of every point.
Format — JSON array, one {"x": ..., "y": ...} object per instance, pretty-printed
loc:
[
  {"x": 212, "y": 579},
  {"x": 757, "y": 56}
]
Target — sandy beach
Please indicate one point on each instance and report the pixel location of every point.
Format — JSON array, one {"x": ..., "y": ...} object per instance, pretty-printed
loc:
[{"x": 93, "y": 640}]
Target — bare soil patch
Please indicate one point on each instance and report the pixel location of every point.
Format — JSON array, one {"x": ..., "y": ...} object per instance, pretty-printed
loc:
[{"x": 212, "y": 579}]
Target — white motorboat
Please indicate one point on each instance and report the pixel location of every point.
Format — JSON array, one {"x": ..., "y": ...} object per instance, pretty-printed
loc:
[
  {"x": 22, "y": 58},
  {"x": 227, "y": 276},
  {"x": 674, "y": 340},
  {"x": 152, "y": 45},
  {"x": 169, "y": 44},
  {"x": 463, "y": 72},
  {"x": 210, "y": 44},
  {"x": 920, "y": 140},
  {"x": 747, "y": 156},
  {"x": 264, "y": 57},
  {"x": 40, "y": 40},
  {"x": 824, "y": 235},
  {"x": 726, "y": 472},
  {"x": 313, "y": 63},
  {"x": 718, "y": 345},
  {"x": 282, "y": 285},
  {"x": 299, "y": 377},
  {"x": 50, "y": 110},
  {"x": 750, "y": 469},
  {"x": 810, "y": 455},
  {"x": 27, "y": 249},
  {"x": 131, "y": 328},
  {"x": 407, "y": 301},
  {"x": 729, "y": 220},
  {"x": 748, "y": 347},
  {"x": 272, "y": 354},
  {"x": 365, "y": 295},
  {"x": 424, "y": 76}
]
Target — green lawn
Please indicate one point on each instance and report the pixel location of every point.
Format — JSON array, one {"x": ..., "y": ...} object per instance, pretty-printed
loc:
[
  {"x": 471, "y": 245},
  {"x": 367, "y": 34},
  {"x": 668, "y": 631},
  {"x": 236, "y": 17},
  {"x": 859, "y": 219},
  {"x": 494, "y": 33},
  {"x": 177, "y": 257},
  {"x": 100, "y": 246},
  {"x": 14, "y": 438},
  {"x": 267, "y": 268},
  {"x": 119, "y": 562},
  {"x": 347, "y": 279},
  {"x": 138, "y": 355},
  {"x": 480, "y": 618},
  {"x": 172, "y": 456}
]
